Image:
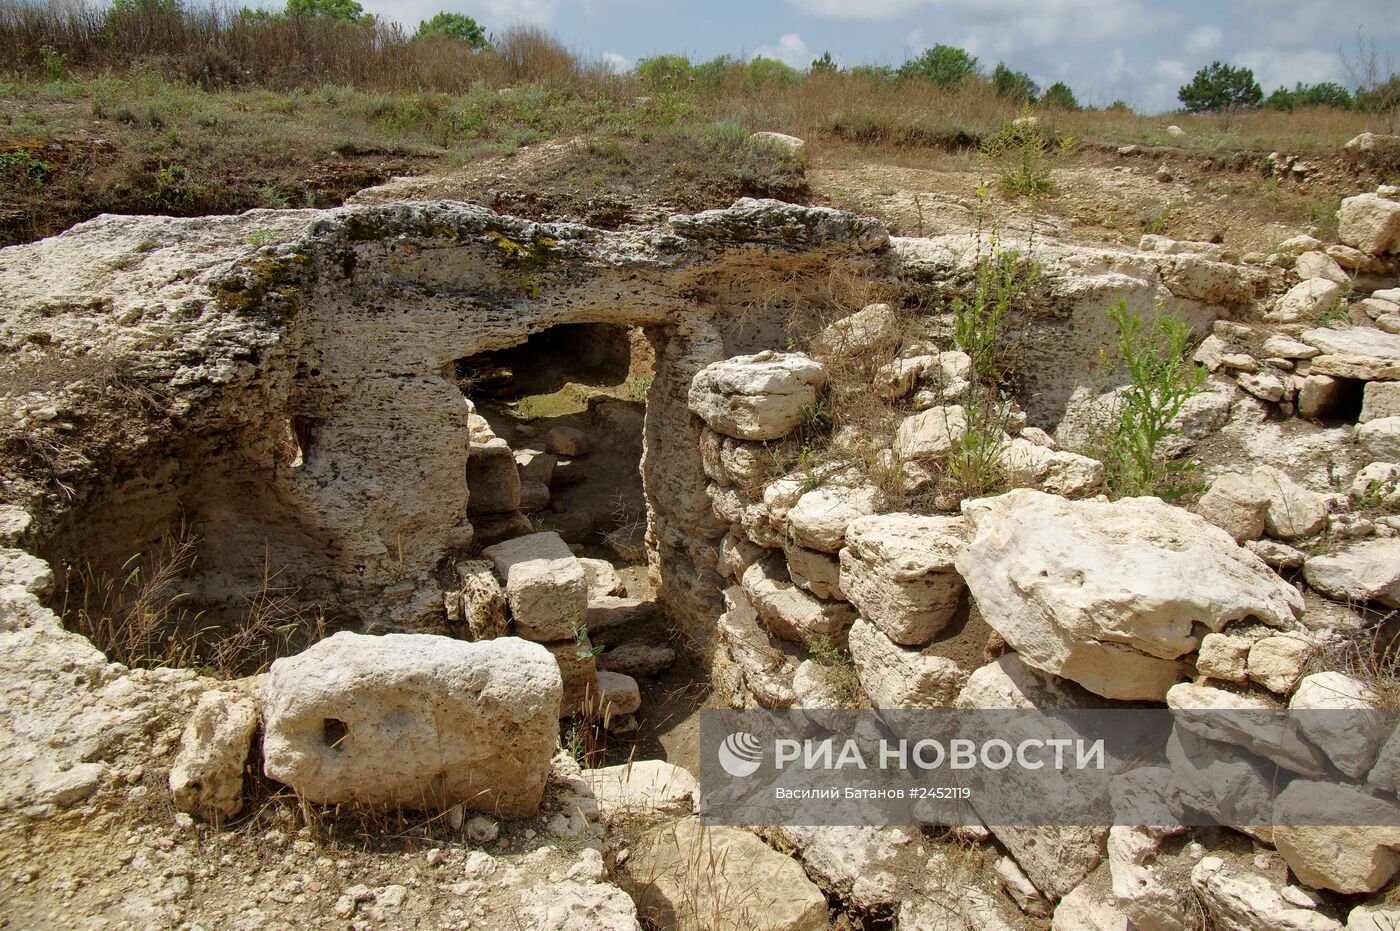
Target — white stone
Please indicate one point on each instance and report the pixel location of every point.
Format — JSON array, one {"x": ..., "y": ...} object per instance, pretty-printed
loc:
[
  {"x": 898, "y": 677},
  {"x": 643, "y": 787},
  {"x": 1348, "y": 728},
  {"x": 1294, "y": 512},
  {"x": 1224, "y": 656},
  {"x": 1022, "y": 891},
  {"x": 577, "y": 906},
  {"x": 1263, "y": 385},
  {"x": 1349, "y": 858},
  {"x": 1373, "y": 918},
  {"x": 1380, "y": 399},
  {"x": 819, "y": 518},
  {"x": 618, "y": 694},
  {"x": 206, "y": 778},
  {"x": 897, "y": 569},
  {"x": 546, "y": 587},
  {"x": 788, "y": 611},
  {"x": 1277, "y": 662},
  {"x": 860, "y": 864},
  {"x": 1111, "y": 595},
  {"x": 758, "y": 397},
  {"x": 931, "y": 434},
  {"x": 1279, "y": 555},
  {"x": 1355, "y": 352},
  {"x": 1320, "y": 265},
  {"x": 1380, "y": 439},
  {"x": 1318, "y": 395},
  {"x": 414, "y": 720},
  {"x": 1369, "y": 222},
  {"x": 1087, "y": 909},
  {"x": 1236, "y": 504},
  {"x": 1240, "y": 900},
  {"x": 818, "y": 573},
  {"x": 1032, "y": 465},
  {"x": 692, "y": 876},
  {"x": 782, "y": 139},
  {"x": 1364, "y": 571},
  {"x": 1253, "y": 729},
  {"x": 872, "y": 330},
  {"x": 766, "y": 670},
  {"x": 1288, "y": 348},
  {"x": 1305, "y": 300}
]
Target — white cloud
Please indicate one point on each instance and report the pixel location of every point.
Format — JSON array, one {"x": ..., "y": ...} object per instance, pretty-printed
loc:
[
  {"x": 1204, "y": 39},
  {"x": 1169, "y": 69},
  {"x": 790, "y": 50},
  {"x": 617, "y": 63},
  {"x": 1039, "y": 22},
  {"x": 1279, "y": 68},
  {"x": 494, "y": 15},
  {"x": 1117, "y": 65}
]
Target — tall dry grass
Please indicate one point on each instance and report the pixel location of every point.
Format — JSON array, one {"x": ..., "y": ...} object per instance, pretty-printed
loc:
[{"x": 220, "y": 46}]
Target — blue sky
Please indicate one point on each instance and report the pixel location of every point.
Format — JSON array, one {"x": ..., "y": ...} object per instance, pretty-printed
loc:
[{"x": 1105, "y": 49}]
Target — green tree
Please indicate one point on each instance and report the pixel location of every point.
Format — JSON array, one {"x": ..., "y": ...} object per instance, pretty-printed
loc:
[
  {"x": 346, "y": 11},
  {"x": 664, "y": 71},
  {"x": 943, "y": 65},
  {"x": 1220, "y": 87},
  {"x": 130, "y": 7},
  {"x": 1326, "y": 94},
  {"x": 825, "y": 64},
  {"x": 453, "y": 26},
  {"x": 1016, "y": 85},
  {"x": 1120, "y": 106},
  {"x": 1059, "y": 96}
]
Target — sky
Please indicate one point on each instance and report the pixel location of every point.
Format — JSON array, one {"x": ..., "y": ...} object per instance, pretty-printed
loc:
[{"x": 1105, "y": 50}]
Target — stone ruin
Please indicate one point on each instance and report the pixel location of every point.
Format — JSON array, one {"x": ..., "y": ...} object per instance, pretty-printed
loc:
[{"x": 297, "y": 370}]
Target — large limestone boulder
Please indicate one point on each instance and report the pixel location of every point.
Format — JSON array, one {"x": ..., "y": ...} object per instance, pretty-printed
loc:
[
  {"x": 1236, "y": 504},
  {"x": 546, "y": 587},
  {"x": 693, "y": 877},
  {"x": 1357, "y": 855},
  {"x": 758, "y": 397},
  {"x": 898, "y": 677},
  {"x": 1356, "y": 352},
  {"x": 1222, "y": 782},
  {"x": 207, "y": 777},
  {"x": 643, "y": 787},
  {"x": 897, "y": 569},
  {"x": 872, "y": 331},
  {"x": 766, "y": 671},
  {"x": 493, "y": 478},
  {"x": 861, "y": 864},
  {"x": 1370, "y": 223},
  {"x": 1365, "y": 571},
  {"x": 414, "y": 720},
  {"x": 1112, "y": 594},
  {"x": 930, "y": 435},
  {"x": 1379, "y": 399},
  {"x": 1248, "y": 723}
]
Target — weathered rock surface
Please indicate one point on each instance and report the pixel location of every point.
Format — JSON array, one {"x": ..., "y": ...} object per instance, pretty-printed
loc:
[
  {"x": 1107, "y": 594},
  {"x": 414, "y": 720},
  {"x": 206, "y": 778},
  {"x": 546, "y": 587},
  {"x": 1368, "y": 570},
  {"x": 1294, "y": 512},
  {"x": 1239, "y": 900},
  {"x": 477, "y": 608},
  {"x": 1349, "y": 730},
  {"x": 643, "y": 787},
  {"x": 1246, "y": 722},
  {"x": 1030, "y": 465},
  {"x": 758, "y": 397},
  {"x": 898, "y": 677},
  {"x": 788, "y": 611},
  {"x": 766, "y": 670},
  {"x": 1355, "y": 352},
  {"x": 1369, "y": 222},
  {"x": 1380, "y": 438},
  {"x": 861, "y": 864},
  {"x": 930, "y": 435},
  {"x": 1236, "y": 504},
  {"x": 696, "y": 878},
  {"x": 819, "y": 518},
  {"x": 1348, "y": 858},
  {"x": 897, "y": 569}
]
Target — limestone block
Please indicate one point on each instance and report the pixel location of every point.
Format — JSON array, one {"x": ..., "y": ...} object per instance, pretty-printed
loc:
[
  {"x": 819, "y": 518},
  {"x": 1111, "y": 594},
  {"x": 898, "y": 677},
  {"x": 1305, "y": 300},
  {"x": 1241, "y": 900},
  {"x": 1380, "y": 439},
  {"x": 818, "y": 573},
  {"x": 791, "y": 613},
  {"x": 1277, "y": 662},
  {"x": 1031, "y": 465},
  {"x": 578, "y": 670},
  {"x": 930, "y": 435},
  {"x": 1294, "y": 512},
  {"x": 206, "y": 779},
  {"x": 567, "y": 441},
  {"x": 477, "y": 609},
  {"x": 493, "y": 480},
  {"x": 897, "y": 569},
  {"x": 1318, "y": 395},
  {"x": 1370, "y": 223},
  {"x": 1246, "y": 722},
  {"x": 1352, "y": 736},
  {"x": 643, "y": 787},
  {"x": 1368, "y": 570},
  {"x": 414, "y": 720},
  {"x": 1355, "y": 352},
  {"x": 1320, "y": 265},
  {"x": 546, "y": 587},
  {"x": 872, "y": 331},
  {"x": 758, "y": 397},
  {"x": 1224, "y": 656},
  {"x": 1347, "y": 858},
  {"x": 1380, "y": 399},
  {"x": 1236, "y": 504}
]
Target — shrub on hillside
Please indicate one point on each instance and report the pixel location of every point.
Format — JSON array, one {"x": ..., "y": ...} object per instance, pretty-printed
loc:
[
  {"x": 1220, "y": 87},
  {"x": 943, "y": 65},
  {"x": 1303, "y": 95},
  {"x": 457, "y": 26},
  {"x": 1014, "y": 85},
  {"x": 1059, "y": 96}
]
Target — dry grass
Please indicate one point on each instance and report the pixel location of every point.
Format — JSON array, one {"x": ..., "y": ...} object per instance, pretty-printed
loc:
[{"x": 141, "y": 616}]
